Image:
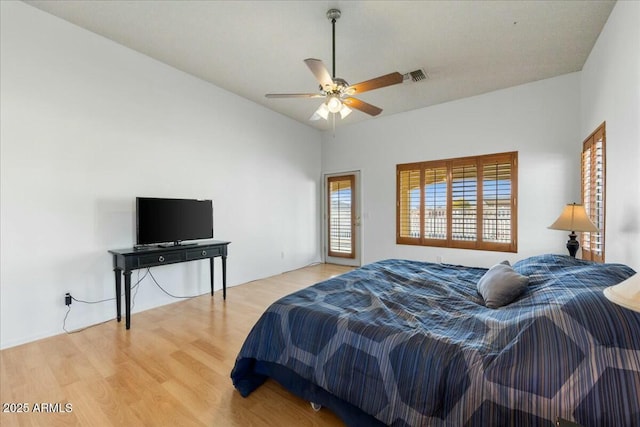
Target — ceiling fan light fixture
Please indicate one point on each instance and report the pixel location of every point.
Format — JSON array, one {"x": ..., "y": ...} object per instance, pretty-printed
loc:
[
  {"x": 345, "y": 111},
  {"x": 334, "y": 105},
  {"x": 321, "y": 113}
]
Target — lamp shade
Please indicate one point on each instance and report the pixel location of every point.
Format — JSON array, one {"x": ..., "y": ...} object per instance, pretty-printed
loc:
[
  {"x": 345, "y": 111},
  {"x": 626, "y": 293},
  {"x": 574, "y": 218},
  {"x": 321, "y": 113}
]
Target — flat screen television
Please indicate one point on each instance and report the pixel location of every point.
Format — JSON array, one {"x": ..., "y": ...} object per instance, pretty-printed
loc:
[{"x": 172, "y": 220}]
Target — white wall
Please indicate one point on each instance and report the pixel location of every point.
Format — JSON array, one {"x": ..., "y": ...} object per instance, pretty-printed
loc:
[
  {"x": 540, "y": 120},
  {"x": 610, "y": 90},
  {"x": 88, "y": 125}
]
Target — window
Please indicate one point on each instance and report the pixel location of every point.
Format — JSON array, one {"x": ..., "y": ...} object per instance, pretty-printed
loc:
[
  {"x": 593, "y": 186},
  {"x": 341, "y": 216},
  {"x": 467, "y": 203}
]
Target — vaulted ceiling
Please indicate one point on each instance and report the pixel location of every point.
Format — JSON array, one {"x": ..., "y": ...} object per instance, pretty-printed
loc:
[{"x": 252, "y": 48}]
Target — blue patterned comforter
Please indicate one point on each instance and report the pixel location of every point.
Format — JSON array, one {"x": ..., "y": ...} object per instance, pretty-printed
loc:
[{"x": 408, "y": 343}]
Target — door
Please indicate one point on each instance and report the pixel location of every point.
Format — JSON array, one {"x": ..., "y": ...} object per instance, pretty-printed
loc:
[{"x": 342, "y": 219}]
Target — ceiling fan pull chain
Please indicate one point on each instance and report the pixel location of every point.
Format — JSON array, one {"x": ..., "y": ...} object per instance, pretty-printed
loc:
[{"x": 334, "y": 125}]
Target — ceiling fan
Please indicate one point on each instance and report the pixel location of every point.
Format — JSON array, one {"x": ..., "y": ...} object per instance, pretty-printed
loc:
[{"x": 336, "y": 91}]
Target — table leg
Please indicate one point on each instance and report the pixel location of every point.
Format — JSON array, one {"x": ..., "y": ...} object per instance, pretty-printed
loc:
[
  {"x": 118, "y": 291},
  {"x": 211, "y": 271},
  {"x": 224, "y": 277},
  {"x": 127, "y": 297}
]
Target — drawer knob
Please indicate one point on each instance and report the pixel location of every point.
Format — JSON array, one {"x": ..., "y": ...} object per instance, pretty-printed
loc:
[
  {"x": 161, "y": 258},
  {"x": 204, "y": 253}
]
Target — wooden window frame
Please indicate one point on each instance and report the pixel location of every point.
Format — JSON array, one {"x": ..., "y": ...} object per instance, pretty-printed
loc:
[
  {"x": 587, "y": 240},
  {"x": 352, "y": 182},
  {"x": 479, "y": 243}
]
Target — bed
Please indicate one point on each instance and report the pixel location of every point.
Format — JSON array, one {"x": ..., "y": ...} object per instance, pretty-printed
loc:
[{"x": 407, "y": 343}]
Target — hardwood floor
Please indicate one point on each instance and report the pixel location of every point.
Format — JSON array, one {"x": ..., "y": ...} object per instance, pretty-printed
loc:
[{"x": 172, "y": 368}]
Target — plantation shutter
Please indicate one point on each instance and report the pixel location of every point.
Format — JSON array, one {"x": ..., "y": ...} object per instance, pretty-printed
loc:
[
  {"x": 467, "y": 203},
  {"x": 436, "y": 216},
  {"x": 341, "y": 233},
  {"x": 464, "y": 202},
  {"x": 408, "y": 203},
  {"x": 593, "y": 193},
  {"x": 498, "y": 201}
]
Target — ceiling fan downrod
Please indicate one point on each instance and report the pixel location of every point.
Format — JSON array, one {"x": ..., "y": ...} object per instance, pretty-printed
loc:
[{"x": 333, "y": 15}]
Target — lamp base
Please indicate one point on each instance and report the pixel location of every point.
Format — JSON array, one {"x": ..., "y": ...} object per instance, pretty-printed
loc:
[{"x": 573, "y": 244}]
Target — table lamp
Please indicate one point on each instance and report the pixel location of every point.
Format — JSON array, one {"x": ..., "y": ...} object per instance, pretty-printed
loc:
[
  {"x": 573, "y": 218},
  {"x": 626, "y": 293}
]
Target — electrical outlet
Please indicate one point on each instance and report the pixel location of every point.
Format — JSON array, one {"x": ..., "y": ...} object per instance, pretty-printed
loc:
[{"x": 67, "y": 299}]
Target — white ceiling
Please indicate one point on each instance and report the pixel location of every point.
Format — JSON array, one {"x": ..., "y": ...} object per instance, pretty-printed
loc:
[{"x": 252, "y": 48}]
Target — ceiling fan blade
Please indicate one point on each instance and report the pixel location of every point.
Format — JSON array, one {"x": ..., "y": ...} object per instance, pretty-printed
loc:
[
  {"x": 322, "y": 74},
  {"x": 294, "y": 95},
  {"x": 372, "y": 110},
  {"x": 377, "y": 83}
]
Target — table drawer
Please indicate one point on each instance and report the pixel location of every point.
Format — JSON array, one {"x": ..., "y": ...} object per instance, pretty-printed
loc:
[
  {"x": 151, "y": 260},
  {"x": 203, "y": 253}
]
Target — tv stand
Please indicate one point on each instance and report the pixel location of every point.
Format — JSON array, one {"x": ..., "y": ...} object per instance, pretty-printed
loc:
[{"x": 129, "y": 259}]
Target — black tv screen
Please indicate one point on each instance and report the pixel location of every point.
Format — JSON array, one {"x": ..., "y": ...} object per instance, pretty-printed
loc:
[{"x": 172, "y": 220}]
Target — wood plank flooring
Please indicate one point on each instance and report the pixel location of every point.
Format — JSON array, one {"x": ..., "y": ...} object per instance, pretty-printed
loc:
[{"x": 172, "y": 368}]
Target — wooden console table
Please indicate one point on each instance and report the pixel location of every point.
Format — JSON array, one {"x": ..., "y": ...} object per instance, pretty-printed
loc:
[{"x": 126, "y": 260}]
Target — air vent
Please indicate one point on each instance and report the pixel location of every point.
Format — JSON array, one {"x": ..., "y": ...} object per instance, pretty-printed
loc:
[{"x": 415, "y": 76}]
